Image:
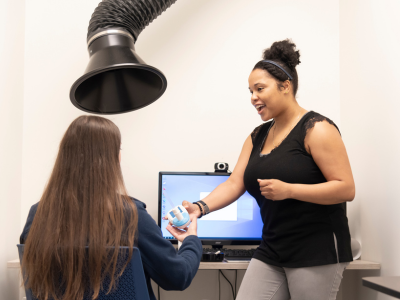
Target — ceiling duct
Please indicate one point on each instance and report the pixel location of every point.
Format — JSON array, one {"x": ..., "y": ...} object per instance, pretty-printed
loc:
[{"x": 116, "y": 79}]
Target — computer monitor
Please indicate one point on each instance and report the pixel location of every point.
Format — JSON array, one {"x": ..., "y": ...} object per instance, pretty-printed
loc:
[{"x": 236, "y": 224}]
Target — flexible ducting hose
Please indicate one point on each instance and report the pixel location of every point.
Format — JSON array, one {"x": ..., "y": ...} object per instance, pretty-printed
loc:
[
  {"x": 116, "y": 79},
  {"x": 132, "y": 15}
]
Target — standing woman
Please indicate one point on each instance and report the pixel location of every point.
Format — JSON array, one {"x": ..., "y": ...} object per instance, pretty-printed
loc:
[{"x": 297, "y": 169}]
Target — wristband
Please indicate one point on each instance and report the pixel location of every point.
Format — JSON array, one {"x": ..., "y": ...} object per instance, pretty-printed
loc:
[
  {"x": 205, "y": 206},
  {"x": 201, "y": 209}
]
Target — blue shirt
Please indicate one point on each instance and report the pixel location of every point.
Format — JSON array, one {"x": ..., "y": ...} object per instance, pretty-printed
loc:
[{"x": 170, "y": 269}]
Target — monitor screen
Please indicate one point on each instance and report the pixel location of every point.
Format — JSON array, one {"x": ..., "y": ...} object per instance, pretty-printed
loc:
[{"x": 238, "y": 223}]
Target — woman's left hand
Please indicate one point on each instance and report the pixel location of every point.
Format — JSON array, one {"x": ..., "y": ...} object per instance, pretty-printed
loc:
[{"x": 274, "y": 189}]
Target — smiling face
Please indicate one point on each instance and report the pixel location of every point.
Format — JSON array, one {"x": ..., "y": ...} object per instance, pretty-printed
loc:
[{"x": 266, "y": 96}]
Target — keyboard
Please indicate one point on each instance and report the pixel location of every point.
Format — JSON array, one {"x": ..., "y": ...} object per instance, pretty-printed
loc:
[{"x": 233, "y": 254}]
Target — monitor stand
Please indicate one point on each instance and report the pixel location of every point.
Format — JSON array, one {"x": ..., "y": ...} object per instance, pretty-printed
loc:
[{"x": 219, "y": 247}]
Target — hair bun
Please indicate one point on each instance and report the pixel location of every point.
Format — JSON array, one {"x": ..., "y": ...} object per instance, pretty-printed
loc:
[{"x": 284, "y": 51}]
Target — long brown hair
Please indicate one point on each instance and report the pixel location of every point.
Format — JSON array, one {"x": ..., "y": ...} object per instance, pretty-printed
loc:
[{"x": 84, "y": 204}]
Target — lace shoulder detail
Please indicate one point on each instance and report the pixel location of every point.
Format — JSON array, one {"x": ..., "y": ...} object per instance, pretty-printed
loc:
[
  {"x": 255, "y": 132},
  {"x": 310, "y": 123}
]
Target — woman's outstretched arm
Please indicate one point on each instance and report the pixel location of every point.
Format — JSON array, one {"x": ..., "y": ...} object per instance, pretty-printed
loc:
[{"x": 229, "y": 191}]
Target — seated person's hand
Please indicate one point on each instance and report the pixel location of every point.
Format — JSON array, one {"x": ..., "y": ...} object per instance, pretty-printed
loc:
[{"x": 181, "y": 234}]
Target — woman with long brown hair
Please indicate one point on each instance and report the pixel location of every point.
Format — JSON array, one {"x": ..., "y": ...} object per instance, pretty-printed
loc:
[{"x": 84, "y": 204}]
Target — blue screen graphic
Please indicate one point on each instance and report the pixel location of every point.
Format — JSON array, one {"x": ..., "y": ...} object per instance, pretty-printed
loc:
[{"x": 240, "y": 220}]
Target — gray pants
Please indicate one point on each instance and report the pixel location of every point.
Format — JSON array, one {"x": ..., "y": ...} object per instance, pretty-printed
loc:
[{"x": 267, "y": 282}]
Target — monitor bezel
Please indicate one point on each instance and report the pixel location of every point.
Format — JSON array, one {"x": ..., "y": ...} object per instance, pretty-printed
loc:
[{"x": 214, "y": 242}]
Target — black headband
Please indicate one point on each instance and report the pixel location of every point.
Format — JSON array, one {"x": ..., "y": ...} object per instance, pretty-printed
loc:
[{"x": 275, "y": 64}]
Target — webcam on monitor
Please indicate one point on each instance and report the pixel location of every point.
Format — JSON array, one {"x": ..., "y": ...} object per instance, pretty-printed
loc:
[{"x": 221, "y": 167}]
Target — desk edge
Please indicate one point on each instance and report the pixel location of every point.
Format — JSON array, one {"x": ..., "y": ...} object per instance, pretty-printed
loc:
[
  {"x": 379, "y": 288},
  {"x": 354, "y": 265}
]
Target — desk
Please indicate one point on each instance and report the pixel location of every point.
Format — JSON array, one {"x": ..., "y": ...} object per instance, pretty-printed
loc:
[
  {"x": 354, "y": 265},
  {"x": 13, "y": 263},
  {"x": 386, "y": 285}
]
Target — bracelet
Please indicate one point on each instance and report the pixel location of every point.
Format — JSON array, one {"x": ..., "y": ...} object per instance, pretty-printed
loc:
[
  {"x": 205, "y": 206},
  {"x": 201, "y": 209}
]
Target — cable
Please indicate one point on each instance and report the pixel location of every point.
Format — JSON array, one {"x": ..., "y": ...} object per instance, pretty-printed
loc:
[
  {"x": 219, "y": 284},
  {"x": 233, "y": 293},
  {"x": 236, "y": 283}
]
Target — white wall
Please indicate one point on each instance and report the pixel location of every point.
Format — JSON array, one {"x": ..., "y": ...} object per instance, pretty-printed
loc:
[
  {"x": 369, "y": 99},
  {"x": 12, "y": 14},
  {"x": 206, "y": 49}
]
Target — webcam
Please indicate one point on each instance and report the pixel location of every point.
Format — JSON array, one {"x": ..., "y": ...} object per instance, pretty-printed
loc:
[{"x": 221, "y": 167}]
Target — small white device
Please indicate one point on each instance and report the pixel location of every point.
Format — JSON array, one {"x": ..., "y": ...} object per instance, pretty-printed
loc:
[{"x": 179, "y": 217}]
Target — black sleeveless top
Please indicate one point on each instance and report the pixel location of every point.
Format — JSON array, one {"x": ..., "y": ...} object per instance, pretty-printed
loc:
[{"x": 296, "y": 233}]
